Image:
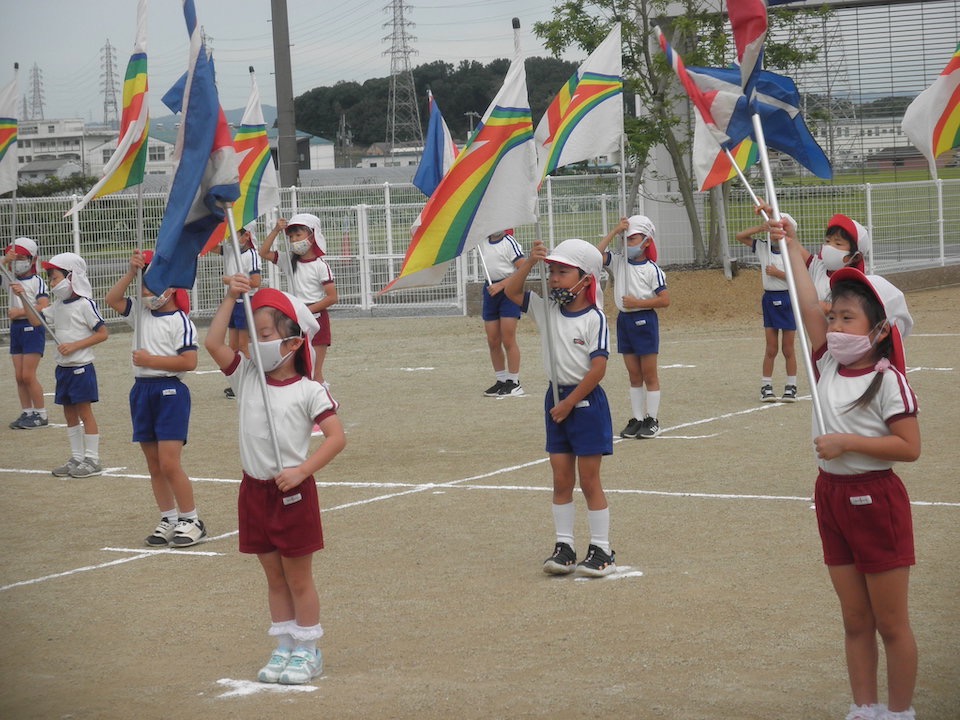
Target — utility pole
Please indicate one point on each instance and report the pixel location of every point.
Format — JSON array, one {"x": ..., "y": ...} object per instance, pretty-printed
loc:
[
  {"x": 36, "y": 101},
  {"x": 287, "y": 155},
  {"x": 470, "y": 115},
  {"x": 403, "y": 115}
]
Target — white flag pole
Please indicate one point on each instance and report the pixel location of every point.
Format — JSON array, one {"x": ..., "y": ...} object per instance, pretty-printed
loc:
[
  {"x": 788, "y": 270},
  {"x": 254, "y": 342}
]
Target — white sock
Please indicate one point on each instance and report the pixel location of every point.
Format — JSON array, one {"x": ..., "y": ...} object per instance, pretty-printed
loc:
[
  {"x": 599, "y": 523},
  {"x": 171, "y": 515},
  {"x": 636, "y": 402},
  {"x": 563, "y": 520},
  {"x": 902, "y": 715},
  {"x": 653, "y": 403},
  {"x": 306, "y": 637},
  {"x": 42, "y": 412},
  {"x": 282, "y": 632},
  {"x": 501, "y": 375},
  {"x": 792, "y": 380},
  {"x": 766, "y": 381},
  {"x": 192, "y": 515},
  {"x": 514, "y": 376},
  {"x": 75, "y": 436},
  {"x": 91, "y": 444}
]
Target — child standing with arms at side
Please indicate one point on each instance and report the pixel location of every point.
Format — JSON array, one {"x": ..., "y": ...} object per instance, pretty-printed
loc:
[
  {"x": 638, "y": 327},
  {"x": 778, "y": 320},
  {"x": 79, "y": 326},
  {"x": 160, "y": 401},
  {"x": 579, "y": 429},
  {"x": 501, "y": 253},
  {"x": 279, "y": 512},
  {"x": 312, "y": 279},
  {"x": 863, "y": 511},
  {"x": 27, "y": 334}
]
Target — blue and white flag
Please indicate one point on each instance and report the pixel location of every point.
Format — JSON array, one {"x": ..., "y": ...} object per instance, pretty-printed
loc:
[
  {"x": 439, "y": 152},
  {"x": 207, "y": 173}
]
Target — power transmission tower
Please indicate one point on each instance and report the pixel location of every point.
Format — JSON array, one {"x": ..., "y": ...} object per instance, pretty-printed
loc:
[
  {"x": 108, "y": 83},
  {"x": 36, "y": 99},
  {"x": 403, "y": 115}
]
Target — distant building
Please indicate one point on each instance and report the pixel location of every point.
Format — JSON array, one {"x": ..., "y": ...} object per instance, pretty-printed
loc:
[{"x": 380, "y": 155}]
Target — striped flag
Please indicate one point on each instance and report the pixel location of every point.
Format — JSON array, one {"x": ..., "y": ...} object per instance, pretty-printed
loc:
[
  {"x": 778, "y": 105},
  {"x": 126, "y": 166},
  {"x": 439, "y": 151},
  {"x": 491, "y": 185},
  {"x": 748, "y": 19},
  {"x": 9, "y": 96},
  {"x": 259, "y": 186},
  {"x": 722, "y": 107},
  {"x": 585, "y": 119},
  {"x": 206, "y": 176},
  {"x": 932, "y": 120}
]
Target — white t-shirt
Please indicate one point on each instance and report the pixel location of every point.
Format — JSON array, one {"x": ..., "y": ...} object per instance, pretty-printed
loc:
[
  {"x": 294, "y": 405},
  {"x": 577, "y": 337},
  {"x": 161, "y": 333},
  {"x": 74, "y": 320},
  {"x": 309, "y": 280},
  {"x": 838, "y": 388},
  {"x": 499, "y": 257},
  {"x": 249, "y": 262},
  {"x": 643, "y": 279},
  {"x": 766, "y": 256},
  {"x": 33, "y": 287}
]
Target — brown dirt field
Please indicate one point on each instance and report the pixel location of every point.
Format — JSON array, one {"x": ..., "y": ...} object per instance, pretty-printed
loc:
[{"x": 437, "y": 519}]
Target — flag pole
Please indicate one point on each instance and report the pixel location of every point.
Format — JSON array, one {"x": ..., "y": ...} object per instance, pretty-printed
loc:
[
  {"x": 254, "y": 341},
  {"x": 483, "y": 263},
  {"x": 11, "y": 279},
  {"x": 788, "y": 271},
  {"x": 137, "y": 332}
]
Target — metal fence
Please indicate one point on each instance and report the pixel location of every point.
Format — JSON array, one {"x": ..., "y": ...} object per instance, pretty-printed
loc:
[{"x": 367, "y": 227}]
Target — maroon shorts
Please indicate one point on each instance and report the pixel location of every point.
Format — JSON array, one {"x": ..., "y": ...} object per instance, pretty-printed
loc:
[
  {"x": 271, "y": 520},
  {"x": 323, "y": 335},
  {"x": 865, "y": 521}
]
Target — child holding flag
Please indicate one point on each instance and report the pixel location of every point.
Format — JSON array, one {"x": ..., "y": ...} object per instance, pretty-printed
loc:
[
  {"x": 578, "y": 427},
  {"x": 869, "y": 417},
  {"x": 311, "y": 278},
  {"x": 79, "y": 326},
  {"x": 160, "y": 401},
  {"x": 279, "y": 511},
  {"x": 27, "y": 334},
  {"x": 501, "y": 254},
  {"x": 638, "y": 327}
]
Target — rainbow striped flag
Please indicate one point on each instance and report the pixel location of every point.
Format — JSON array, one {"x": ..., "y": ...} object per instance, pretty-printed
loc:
[
  {"x": 585, "y": 119},
  {"x": 259, "y": 186},
  {"x": 8, "y": 135},
  {"x": 491, "y": 185},
  {"x": 126, "y": 166},
  {"x": 932, "y": 120}
]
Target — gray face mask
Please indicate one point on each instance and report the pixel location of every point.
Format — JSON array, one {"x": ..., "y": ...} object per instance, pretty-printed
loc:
[
  {"x": 300, "y": 247},
  {"x": 21, "y": 267}
]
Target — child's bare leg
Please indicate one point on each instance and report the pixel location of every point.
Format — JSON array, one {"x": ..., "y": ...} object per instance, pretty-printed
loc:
[
  {"x": 564, "y": 477},
  {"x": 495, "y": 345},
  {"x": 84, "y": 411},
  {"x": 860, "y": 632},
  {"x": 789, "y": 352},
  {"x": 589, "y": 467},
  {"x": 508, "y": 332},
  {"x": 279, "y": 598},
  {"x": 168, "y": 456},
  {"x": 298, "y": 572},
  {"x": 888, "y": 598},
  {"x": 770, "y": 351},
  {"x": 162, "y": 492},
  {"x": 321, "y": 351}
]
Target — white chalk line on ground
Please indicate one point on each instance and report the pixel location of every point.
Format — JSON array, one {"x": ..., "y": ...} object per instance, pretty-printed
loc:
[
  {"x": 414, "y": 488},
  {"x": 242, "y": 688}
]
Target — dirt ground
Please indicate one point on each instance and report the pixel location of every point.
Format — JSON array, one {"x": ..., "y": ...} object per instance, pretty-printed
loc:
[{"x": 437, "y": 519}]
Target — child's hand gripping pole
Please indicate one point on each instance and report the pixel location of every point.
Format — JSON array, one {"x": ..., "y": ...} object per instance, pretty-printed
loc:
[
  {"x": 254, "y": 341},
  {"x": 27, "y": 304},
  {"x": 788, "y": 271}
]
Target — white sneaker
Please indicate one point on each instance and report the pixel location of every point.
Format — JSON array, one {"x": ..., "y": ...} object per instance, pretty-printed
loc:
[
  {"x": 271, "y": 672},
  {"x": 162, "y": 534},
  {"x": 188, "y": 532},
  {"x": 302, "y": 667}
]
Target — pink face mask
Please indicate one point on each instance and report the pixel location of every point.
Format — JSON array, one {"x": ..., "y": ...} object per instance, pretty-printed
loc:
[{"x": 847, "y": 349}]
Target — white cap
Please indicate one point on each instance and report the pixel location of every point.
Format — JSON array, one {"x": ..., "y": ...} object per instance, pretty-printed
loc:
[
  {"x": 76, "y": 267},
  {"x": 640, "y": 224},
  {"x": 25, "y": 243},
  {"x": 251, "y": 228},
  {"x": 789, "y": 218},
  {"x": 581, "y": 254},
  {"x": 312, "y": 222}
]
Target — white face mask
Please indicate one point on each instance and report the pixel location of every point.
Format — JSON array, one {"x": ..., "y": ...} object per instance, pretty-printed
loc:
[
  {"x": 832, "y": 257},
  {"x": 300, "y": 247},
  {"x": 635, "y": 251},
  {"x": 270, "y": 353},
  {"x": 155, "y": 302},
  {"x": 22, "y": 267},
  {"x": 63, "y": 290}
]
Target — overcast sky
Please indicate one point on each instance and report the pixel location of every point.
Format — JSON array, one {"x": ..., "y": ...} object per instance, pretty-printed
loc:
[{"x": 332, "y": 40}]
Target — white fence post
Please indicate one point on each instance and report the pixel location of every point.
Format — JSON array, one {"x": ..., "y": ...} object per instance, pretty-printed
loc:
[
  {"x": 76, "y": 226},
  {"x": 363, "y": 256},
  {"x": 940, "y": 221},
  {"x": 868, "y": 196}
]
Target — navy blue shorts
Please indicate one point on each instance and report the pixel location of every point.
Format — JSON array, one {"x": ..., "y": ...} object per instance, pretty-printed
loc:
[
  {"x": 777, "y": 310},
  {"x": 498, "y": 306},
  {"x": 638, "y": 333},
  {"x": 238, "y": 318},
  {"x": 159, "y": 409},
  {"x": 25, "y": 339},
  {"x": 76, "y": 384},
  {"x": 588, "y": 430}
]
